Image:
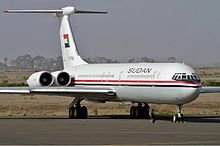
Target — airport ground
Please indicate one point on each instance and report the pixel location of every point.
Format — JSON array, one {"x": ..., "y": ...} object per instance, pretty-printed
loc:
[
  {"x": 44, "y": 120},
  {"x": 109, "y": 130}
]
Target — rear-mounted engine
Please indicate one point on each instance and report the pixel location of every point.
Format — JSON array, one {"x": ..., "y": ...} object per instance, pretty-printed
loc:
[
  {"x": 61, "y": 78},
  {"x": 40, "y": 79}
]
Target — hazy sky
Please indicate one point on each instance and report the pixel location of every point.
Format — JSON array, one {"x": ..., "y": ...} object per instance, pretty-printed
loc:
[{"x": 186, "y": 29}]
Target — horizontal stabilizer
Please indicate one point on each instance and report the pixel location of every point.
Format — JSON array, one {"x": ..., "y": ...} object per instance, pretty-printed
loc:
[
  {"x": 64, "y": 11},
  {"x": 90, "y": 12},
  {"x": 33, "y": 11}
]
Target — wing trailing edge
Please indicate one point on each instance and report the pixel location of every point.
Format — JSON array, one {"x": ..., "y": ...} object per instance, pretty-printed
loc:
[
  {"x": 210, "y": 89},
  {"x": 66, "y": 91}
]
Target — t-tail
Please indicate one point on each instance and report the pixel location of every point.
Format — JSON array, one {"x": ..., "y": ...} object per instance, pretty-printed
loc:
[{"x": 70, "y": 55}]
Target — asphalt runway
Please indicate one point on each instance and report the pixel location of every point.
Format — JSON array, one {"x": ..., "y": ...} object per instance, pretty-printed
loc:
[{"x": 111, "y": 130}]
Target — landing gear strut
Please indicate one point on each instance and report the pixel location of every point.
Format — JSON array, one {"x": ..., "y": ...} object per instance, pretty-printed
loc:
[
  {"x": 179, "y": 116},
  {"x": 76, "y": 111},
  {"x": 140, "y": 111}
]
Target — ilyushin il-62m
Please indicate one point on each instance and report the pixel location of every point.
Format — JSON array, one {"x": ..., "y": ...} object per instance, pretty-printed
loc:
[{"x": 138, "y": 83}]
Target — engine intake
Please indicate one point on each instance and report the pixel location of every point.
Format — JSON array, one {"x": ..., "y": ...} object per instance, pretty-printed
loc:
[
  {"x": 46, "y": 79},
  {"x": 62, "y": 78},
  {"x": 40, "y": 79}
]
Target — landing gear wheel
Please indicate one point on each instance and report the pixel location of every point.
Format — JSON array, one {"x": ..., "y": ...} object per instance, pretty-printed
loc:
[
  {"x": 179, "y": 116},
  {"x": 139, "y": 112},
  {"x": 72, "y": 113},
  {"x": 84, "y": 112},
  {"x": 76, "y": 111},
  {"x": 133, "y": 112},
  {"x": 175, "y": 118},
  {"x": 145, "y": 111}
]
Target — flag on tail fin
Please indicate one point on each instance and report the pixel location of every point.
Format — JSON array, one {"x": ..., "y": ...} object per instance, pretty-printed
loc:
[{"x": 66, "y": 40}]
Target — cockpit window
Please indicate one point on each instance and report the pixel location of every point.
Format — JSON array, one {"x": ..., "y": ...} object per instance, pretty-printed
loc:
[
  {"x": 186, "y": 77},
  {"x": 189, "y": 77},
  {"x": 196, "y": 76},
  {"x": 192, "y": 77}
]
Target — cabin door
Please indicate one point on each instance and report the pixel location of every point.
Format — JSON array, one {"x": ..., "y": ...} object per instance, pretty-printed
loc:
[{"x": 120, "y": 77}]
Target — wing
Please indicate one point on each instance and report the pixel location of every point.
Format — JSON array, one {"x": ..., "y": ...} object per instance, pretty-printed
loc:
[
  {"x": 210, "y": 89},
  {"x": 66, "y": 91}
]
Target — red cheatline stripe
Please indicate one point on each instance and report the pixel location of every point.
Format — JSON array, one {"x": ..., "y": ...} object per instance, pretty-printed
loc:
[
  {"x": 65, "y": 36},
  {"x": 136, "y": 81}
]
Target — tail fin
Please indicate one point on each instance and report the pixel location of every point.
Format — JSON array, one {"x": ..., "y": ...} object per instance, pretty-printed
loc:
[{"x": 70, "y": 55}]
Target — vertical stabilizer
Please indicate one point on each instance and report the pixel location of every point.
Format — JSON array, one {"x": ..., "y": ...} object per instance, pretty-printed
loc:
[{"x": 70, "y": 54}]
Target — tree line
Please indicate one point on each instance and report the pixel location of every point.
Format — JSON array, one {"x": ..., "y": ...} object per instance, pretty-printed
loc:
[{"x": 28, "y": 62}]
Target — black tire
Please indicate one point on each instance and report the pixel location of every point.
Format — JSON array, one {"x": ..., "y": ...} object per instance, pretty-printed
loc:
[
  {"x": 138, "y": 112},
  {"x": 72, "y": 113},
  {"x": 175, "y": 118},
  {"x": 78, "y": 112},
  {"x": 182, "y": 118},
  {"x": 84, "y": 112},
  {"x": 145, "y": 112},
  {"x": 75, "y": 113},
  {"x": 133, "y": 112}
]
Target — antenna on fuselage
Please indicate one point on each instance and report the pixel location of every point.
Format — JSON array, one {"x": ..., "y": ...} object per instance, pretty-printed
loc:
[{"x": 70, "y": 55}]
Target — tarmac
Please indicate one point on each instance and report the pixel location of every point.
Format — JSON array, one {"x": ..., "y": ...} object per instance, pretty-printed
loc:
[{"x": 108, "y": 130}]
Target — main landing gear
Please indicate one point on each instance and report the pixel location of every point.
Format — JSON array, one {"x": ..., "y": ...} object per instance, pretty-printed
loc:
[
  {"x": 76, "y": 111},
  {"x": 140, "y": 111},
  {"x": 179, "y": 116}
]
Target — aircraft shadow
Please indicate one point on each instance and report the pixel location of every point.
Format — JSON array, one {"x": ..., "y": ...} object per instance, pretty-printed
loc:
[
  {"x": 203, "y": 119},
  {"x": 191, "y": 119},
  {"x": 32, "y": 118},
  {"x": 194, "y": 118}
]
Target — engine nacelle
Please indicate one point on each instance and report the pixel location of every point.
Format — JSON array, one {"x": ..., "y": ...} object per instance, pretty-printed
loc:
[
  {"x": 61, "y": 78},
  {"x": 40, "y": 79}
]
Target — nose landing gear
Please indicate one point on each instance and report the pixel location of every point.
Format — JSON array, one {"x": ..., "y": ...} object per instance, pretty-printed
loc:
[{"x": 179, "y": 116}]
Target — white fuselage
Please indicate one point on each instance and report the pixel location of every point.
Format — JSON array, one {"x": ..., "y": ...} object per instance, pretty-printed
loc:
[{"x": 140, "y": 82}]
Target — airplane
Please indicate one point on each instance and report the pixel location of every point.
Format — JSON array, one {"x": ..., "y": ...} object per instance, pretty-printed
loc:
[{"x": 141, "y": 83}]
